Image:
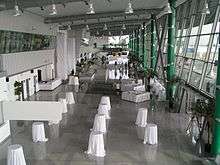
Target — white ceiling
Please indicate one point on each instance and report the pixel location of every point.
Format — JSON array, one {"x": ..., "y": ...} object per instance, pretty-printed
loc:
[{"x": 100, "y": 6}]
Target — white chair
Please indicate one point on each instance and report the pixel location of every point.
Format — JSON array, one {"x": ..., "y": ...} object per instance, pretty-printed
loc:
[
  {"x": 96, "y": 144},
  {"x": 99, "y": 123},
  {"x": 15, "y": 155},
  {"x": 150, "y": 136},
  {"x": 141, "y": 119},
  {"x": 38, "y": 132},
  {"x": 105, "y": 100},
  {"x": 64, "y": 102},
  {"x": 104, "y": 110},
  {"x": 70, "y": 98}
]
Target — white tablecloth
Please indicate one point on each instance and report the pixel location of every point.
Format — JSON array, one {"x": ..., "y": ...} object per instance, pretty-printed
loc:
[
  {"x": 64, "y": 102},
  {"x": 15, "y": 155},
  {"x": 96, "y": 144},
  {"x": 104, "y": 106},
  {"x": 106, "y": 100},
  {"x": 99, "y": 123},
  {"x": 141, "y": 119},
  {"x": 150, "y": 136},
  {"x": 38, "y": 133},
  {"x": 70, "y": 98},
  {"x": 104, "y": 109}
]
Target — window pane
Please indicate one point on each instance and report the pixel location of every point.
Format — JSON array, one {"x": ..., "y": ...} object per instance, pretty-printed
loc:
[
  {"x": 190, "y": 49},
  {"x": 214, "y": 51},
  {"x": 185, "y": 74},
  {"x": 195, "y": 79},
  {"x": 206, "y": 28},
  {"x": 198, "y": 66},
  {"x": 202, "y": 48}
]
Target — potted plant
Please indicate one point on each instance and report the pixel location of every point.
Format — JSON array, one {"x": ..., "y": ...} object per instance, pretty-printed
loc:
[
  {"x": 203, "y": 113},
  {"x": 18, "y": 89}
]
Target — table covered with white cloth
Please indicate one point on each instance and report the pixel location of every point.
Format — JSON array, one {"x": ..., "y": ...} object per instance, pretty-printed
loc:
[
  {"x": 150, "y": 135},
  {"x": 141, "y": 119},
  {"x": 38, "y": 132},
  {"x": 99, "y": 123},
  {"x": 15, "y": 155},
  {"x": 96, "y": 144}
]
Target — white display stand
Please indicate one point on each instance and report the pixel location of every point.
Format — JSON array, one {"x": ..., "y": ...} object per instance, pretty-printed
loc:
[{"x": 50, "y": 85}]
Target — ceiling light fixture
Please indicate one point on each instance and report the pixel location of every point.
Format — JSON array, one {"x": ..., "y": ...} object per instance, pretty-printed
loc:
[
  {"x": 17, "y": 11},
  {"x": 87, "y": 27},
  {"x": 122, "y": 33},
  {"x": 109, "y": 33},
  {"x": 206, "y": 8},
  {"x": 129, "y": 9},
  {"x": 91, "y": 9},
  {"x": 97, "y": 33},
  {"x": 123, "y": 27},
  {"x": 169, "y": 10},
  {"x": 105, "y": 27},
  {"x": 54, "y": 10}
]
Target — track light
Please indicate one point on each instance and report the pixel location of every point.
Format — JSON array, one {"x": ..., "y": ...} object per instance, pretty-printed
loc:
[
  {"x": 87, "y": 27},
  {"x": 54, "y": 10},
  {"x": 105, "y": 27},
  {"x": 91, "y": 9},
  {"x": 169, "y": 10},
  {"x": 206, "y": 8},
  {"x": 123, "y": 27},
  {"x": 129, "y": 9},
  {"x": 17, "y": 11}
]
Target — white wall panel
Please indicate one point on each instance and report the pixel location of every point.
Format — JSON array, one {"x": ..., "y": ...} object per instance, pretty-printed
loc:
[
  {"x": 14, "y": 63},
  {"x": 32, "y": 110}
]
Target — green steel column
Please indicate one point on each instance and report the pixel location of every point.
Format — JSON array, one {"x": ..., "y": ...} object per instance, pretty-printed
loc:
[
  {"x": 137, "y": 44},
  {"x": 144, "y": 49},
  {"x": 216, "y": 138},
  {"x": 140, "y": 45},
  {"x": 170, "y": 53},
  {"x": 153, "y": 43},
  {"x": 170, "y": 50}
]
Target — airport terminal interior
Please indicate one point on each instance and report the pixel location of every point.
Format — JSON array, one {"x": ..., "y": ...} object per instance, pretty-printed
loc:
[{"x": 109, "y": 82}]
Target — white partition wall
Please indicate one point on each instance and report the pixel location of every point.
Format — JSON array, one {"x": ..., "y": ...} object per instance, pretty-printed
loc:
[
  {"x": 14, "y": 63},
  {"x": 32, "y": 110}
]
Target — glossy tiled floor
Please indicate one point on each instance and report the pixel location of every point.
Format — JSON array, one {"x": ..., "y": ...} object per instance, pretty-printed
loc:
[{"x": 123, "y": 142}]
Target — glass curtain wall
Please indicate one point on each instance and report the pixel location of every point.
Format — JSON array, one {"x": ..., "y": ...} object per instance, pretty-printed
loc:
[{"x": 196, "y": 43}]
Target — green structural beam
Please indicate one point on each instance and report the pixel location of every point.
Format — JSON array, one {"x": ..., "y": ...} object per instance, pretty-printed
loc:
[
  {"x": 144, "y": 52},
  {"x": 170, "y": 91},
  {"x": 216, "y": 139},
  {"x": 137, "y": 44},
  {"x": 153, "y": 43}
]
